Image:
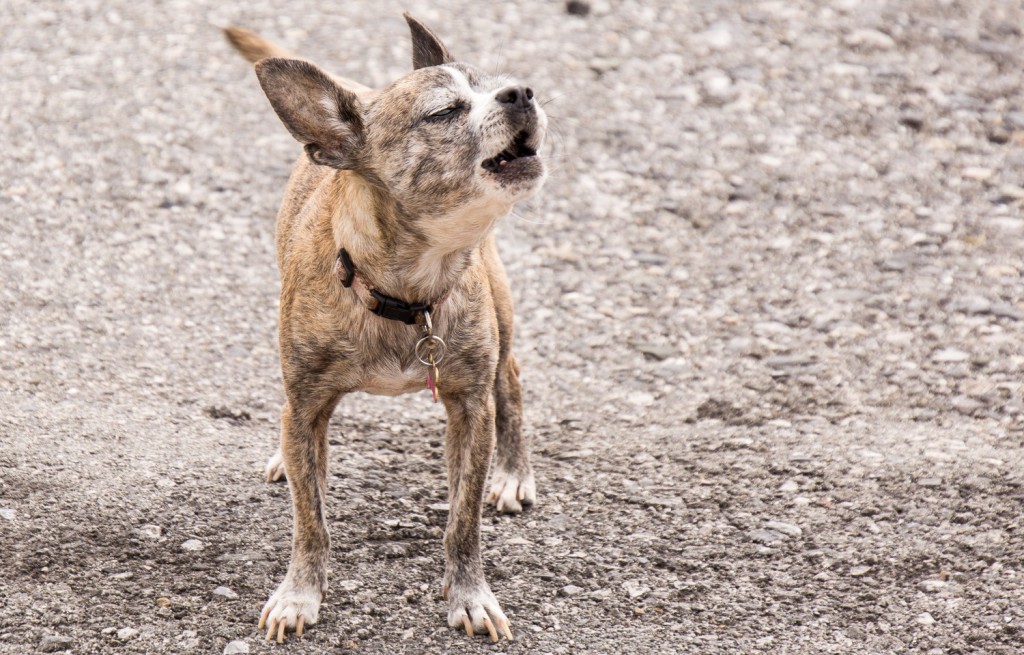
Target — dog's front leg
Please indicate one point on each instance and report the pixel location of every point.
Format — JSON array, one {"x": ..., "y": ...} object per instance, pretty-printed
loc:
[
  {"x": 296, "y": 603},
  {"x": 468, "y": 444}
]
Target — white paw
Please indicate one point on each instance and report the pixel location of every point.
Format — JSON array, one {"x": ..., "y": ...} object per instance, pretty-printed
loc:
[
  {"x": 476, "y": 610},
  {"x": 509, "y": 492},
  {"x": 274, "y": 469},
  {"x": 290, "y": 608}
]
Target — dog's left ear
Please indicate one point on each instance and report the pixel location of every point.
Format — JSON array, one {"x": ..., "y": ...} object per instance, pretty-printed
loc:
[
  {"x": 321, "y": 115},
  {"x": 427, "y": 49}
]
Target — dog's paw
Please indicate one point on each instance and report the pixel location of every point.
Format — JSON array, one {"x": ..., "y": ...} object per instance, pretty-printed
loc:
[
  {"x": 274, "y": 469},
  {"x": 476, "y": 610},
  {"x": 291, "y": 607},
  {"x": 509, "y": 492}
]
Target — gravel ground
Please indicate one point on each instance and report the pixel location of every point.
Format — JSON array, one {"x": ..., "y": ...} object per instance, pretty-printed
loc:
[{"x": 770, "y": 317}]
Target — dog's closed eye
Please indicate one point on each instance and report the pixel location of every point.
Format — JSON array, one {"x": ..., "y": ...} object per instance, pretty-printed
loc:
[{"x": 445, "y": 112}]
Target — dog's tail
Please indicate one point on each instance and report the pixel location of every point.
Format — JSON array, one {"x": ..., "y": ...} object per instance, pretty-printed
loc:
[{"x": 254, "y": 47}]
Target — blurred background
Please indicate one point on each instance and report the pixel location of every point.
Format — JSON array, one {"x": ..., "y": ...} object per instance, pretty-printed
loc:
[{"x": 769, "y": 309}]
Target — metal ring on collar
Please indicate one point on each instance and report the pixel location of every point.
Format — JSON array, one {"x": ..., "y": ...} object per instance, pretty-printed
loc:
[{"x": 431, "y": 344}]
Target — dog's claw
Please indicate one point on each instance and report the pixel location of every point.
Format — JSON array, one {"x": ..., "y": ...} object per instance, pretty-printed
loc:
[
  {"x": 507, "y": 629},
  {"x": 510, "y": 491},
  {"x": 274, "y": 470},
  {"x": 291, "y": 607},
  {"x": 490, "y": 629},
  {"x": 468, "y": 625}
]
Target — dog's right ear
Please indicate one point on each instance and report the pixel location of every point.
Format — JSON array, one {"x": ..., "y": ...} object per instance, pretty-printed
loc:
[{"x": 320, "y": 114}]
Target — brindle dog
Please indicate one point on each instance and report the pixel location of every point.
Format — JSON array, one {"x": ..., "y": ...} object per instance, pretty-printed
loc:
[{"x": 384, "y": 240}]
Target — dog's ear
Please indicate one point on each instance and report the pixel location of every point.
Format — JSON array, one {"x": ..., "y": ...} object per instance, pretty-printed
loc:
[
  {"x": 427, "y": 49},
  {"x": 320, "y": 114}
]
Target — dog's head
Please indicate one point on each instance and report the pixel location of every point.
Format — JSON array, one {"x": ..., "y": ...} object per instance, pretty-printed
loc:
[{"x": 444, "y": 139}]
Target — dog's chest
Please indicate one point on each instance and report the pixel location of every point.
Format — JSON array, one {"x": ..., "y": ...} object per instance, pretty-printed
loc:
[{"x": 391, "y": 378}]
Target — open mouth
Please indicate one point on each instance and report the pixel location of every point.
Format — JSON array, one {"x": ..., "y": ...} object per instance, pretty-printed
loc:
[{"x": 517, "y": 150}]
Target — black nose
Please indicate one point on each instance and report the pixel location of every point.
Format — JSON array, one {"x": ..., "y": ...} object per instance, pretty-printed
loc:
[{"x": 518, "y": 97}]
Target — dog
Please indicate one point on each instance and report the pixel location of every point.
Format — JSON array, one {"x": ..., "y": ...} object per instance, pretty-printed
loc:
[{"x": 391, "y": 283}]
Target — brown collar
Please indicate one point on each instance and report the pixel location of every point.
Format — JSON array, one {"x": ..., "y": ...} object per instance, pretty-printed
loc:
[{"x": 384, "y": 306}]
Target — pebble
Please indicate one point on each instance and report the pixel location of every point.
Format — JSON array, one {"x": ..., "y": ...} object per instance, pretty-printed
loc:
[
  {"x": 236, "y": 648},
  {"x": 635, "y": 589},
  {"x": 924, "y": 618},
  {"x": 570, "y": 590},
  {"x": 932, "y": 586},
  {"x": 55, "y": 644},
  {"x": 149, "y": 531},
  {"x": 656, "y": 351},
  {"x": 192, "y": 545},
  {"x": 767, "y": 537},
  {"x": 930, "y": 482},
  {"x": 225, "y": 592},
  {"x": 950, "y": 356},
  {"x": 577, "y": 8},
  {"x": 124, "y": 634},
  {"x": 7, "y": 513},
  {"x": 859, "y": 571},
  {"x": 788, "y": 529},
  {"x": 870, "y": 39},
  {"x": 789, "y": 486}
]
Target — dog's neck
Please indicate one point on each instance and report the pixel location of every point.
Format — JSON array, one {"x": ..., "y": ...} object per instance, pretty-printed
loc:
[{"x": 413, "y": 258}]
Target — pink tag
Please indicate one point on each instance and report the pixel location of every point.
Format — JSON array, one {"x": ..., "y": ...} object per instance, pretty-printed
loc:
[{"x": 432, "y": 386}]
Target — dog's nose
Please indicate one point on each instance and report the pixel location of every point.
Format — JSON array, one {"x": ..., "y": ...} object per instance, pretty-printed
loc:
[{"x": 516, "y": 97}]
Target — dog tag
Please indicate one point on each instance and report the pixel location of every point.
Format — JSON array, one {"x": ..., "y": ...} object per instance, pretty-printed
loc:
[{"x": 432, "y": 380}]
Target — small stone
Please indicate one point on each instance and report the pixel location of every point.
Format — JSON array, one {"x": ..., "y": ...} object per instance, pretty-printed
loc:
[
  {"x": 640, "y": 398},
  {"x": 439, "y": 507},
  {"x": 717, "y": 37},
  {"x": 924, "y": 618},
  {"x": 767, "y": 537},
  {"x": 657, "y": 351},
  {"x": 789, "y": 486},
  {"x": 912, "y": 119},
  {"x": 932, "y": 586},
  {"x": 971, "y": 305},
  {"x": 635, "y": 589},
  {"x": 519, "y": 541},
  {"x": 978, "y": 173},
  {"x": 787, "y": 529},
  {"x": 163, "y": 601},
  {"x": 149, "y": 531},
  {"x": 859, "y": 571},
  {"x": 577, "y": 8},
  {"x": 236, "y": 648},
  {"x": 930, "y": 482},
  {"x": 570, "y": 590},
  {"x": 124, "y": 634},
  {"x": 1014, "y": 120},
  {"x": 192, "y": 545},
  {"x": 966, "y": 405},
  {"x": 225, "y": 592},
  {"x": 870, "y": 39},
  {"x": 1010, "y": 192},
  {"x": 1006, "y": 310},
  {"x": 7, "y": 513},
  {"x": 950, "y": 356},
  {"x": 55, "y": 644}
]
